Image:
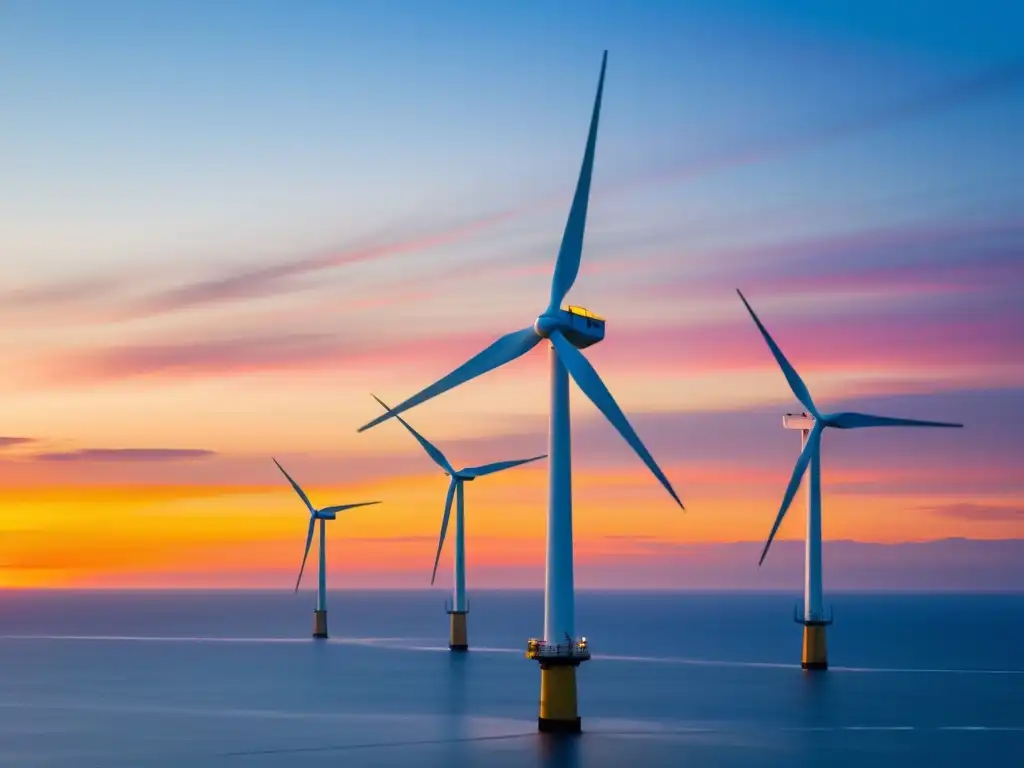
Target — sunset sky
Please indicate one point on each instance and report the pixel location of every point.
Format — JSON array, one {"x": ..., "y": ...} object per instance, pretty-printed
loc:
[{"x": 223, "y": 225}]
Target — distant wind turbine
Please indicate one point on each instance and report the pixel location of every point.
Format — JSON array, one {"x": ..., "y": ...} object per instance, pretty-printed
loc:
[
  {"x": 458, "y": 639},
  {"x": 322, "y": 515},
  {"x": 567, "y": 331},
  {"x": 815, "y": 655}
]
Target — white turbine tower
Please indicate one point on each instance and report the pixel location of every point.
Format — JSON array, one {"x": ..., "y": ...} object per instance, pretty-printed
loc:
[
  {"x": 567, "y": 331},
  {"x": 458, "y": 639},
  {"x": 812, "y": 425},
  {"x": 322, "y": 515}
]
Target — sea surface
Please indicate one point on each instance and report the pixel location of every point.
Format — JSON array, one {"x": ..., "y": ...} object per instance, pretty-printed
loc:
[{"x": 228, "y": 679}]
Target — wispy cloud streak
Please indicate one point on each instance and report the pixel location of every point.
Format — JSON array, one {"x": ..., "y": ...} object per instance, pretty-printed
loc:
[
  {"x": 989, "y": 82},
  {"x": 978, "y": 512},
  {"x": 249, "y": 355},
  {"x": 928, "y": 247},
  {"x": 88, "y": 455},
  {"x": 234, "y": 285},
  {"x": 11, "y": 442},
  {"x": 198, "y": 358},
  {"x": 278, "y": 278}
]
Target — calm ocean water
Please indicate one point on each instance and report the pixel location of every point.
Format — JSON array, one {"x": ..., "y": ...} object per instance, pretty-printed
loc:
[{"x": 233, "y": 679}]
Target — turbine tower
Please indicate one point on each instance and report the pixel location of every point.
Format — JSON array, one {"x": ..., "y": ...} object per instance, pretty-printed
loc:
[
  {"x": 811, "y": 426},
  {"x": 567, "y": 332},
  {"x": 318, "y": 515},
  {"x": 458, "y": 639}
]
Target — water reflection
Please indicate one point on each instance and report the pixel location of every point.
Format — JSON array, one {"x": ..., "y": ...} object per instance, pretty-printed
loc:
[
  {"x": 455, "y": 682},
  {"x": 457, "y": 728},
  {"x": 815, "y": 699},
  {"x": 557, "y": 750}
]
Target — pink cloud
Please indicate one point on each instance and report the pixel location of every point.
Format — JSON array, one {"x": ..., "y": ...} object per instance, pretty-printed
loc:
[
  {"x": 850, "y": 342},
  {"x": 117, "y": 455},
  {"x": 978, "y": 512},
  {"x": 261, "y": 354},
  {"x": 241, "y": 356},
  {"x": 12, "y": 442}
]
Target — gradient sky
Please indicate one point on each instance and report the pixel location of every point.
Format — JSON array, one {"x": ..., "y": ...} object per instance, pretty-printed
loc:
[{"x": 224, "y": 224}]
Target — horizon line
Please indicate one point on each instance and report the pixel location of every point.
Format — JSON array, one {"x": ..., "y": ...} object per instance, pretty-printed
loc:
[{"x": 896, "y": 591}]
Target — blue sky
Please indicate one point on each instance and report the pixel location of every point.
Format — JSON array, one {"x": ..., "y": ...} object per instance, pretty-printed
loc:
[{"x": 206, "y": 132}]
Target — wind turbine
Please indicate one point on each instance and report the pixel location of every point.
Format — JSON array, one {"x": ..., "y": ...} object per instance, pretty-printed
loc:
[
  {"x": 318, "y": 515},
  {"x": 458, "y": 639},
  {"x": 567, "y": 331},
  {"x": 811, "y": 426}
]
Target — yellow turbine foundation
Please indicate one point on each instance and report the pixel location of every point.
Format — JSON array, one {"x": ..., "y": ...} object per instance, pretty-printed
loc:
[
  {"x": 458, "y": 639},
  {"x": 319, "y": 623},
  {"x": 815, "y": 654},
  {"x": 558, "y": 712}
]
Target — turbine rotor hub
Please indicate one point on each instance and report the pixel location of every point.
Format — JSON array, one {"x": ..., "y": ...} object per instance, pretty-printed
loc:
[{"x": 547, "y": 324}]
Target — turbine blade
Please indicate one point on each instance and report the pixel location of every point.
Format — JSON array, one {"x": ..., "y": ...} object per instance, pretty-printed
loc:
[
  {"x": 298, "y": 490},
  {"x": 309, "y": 540},
  {"x": 813, "y": 440},
  {"x": 430, "y": 448},
  {"x": 498, "y": 466},
  {"x": 504, "y": 350},
  {"x": 444, "y": 526},
  {"x": 851, "y": 420},
  {"x": 343, "y": 507},
  {"x": 795, "y": 382},
  {"x": 567, "y": 266},
  {"x": 587, "y": 379}
]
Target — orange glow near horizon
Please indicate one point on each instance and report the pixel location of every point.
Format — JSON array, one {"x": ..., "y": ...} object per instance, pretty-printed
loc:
[{"x": 180, "y": 536}]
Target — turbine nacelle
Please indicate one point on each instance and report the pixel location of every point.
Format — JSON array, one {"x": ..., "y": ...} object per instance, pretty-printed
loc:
[
  {"x": 325, "y": 515},
  {"x": 801, "y": 421},
  {"x": 581, "y": 327},
  {"x": 457, "y": 475}
]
